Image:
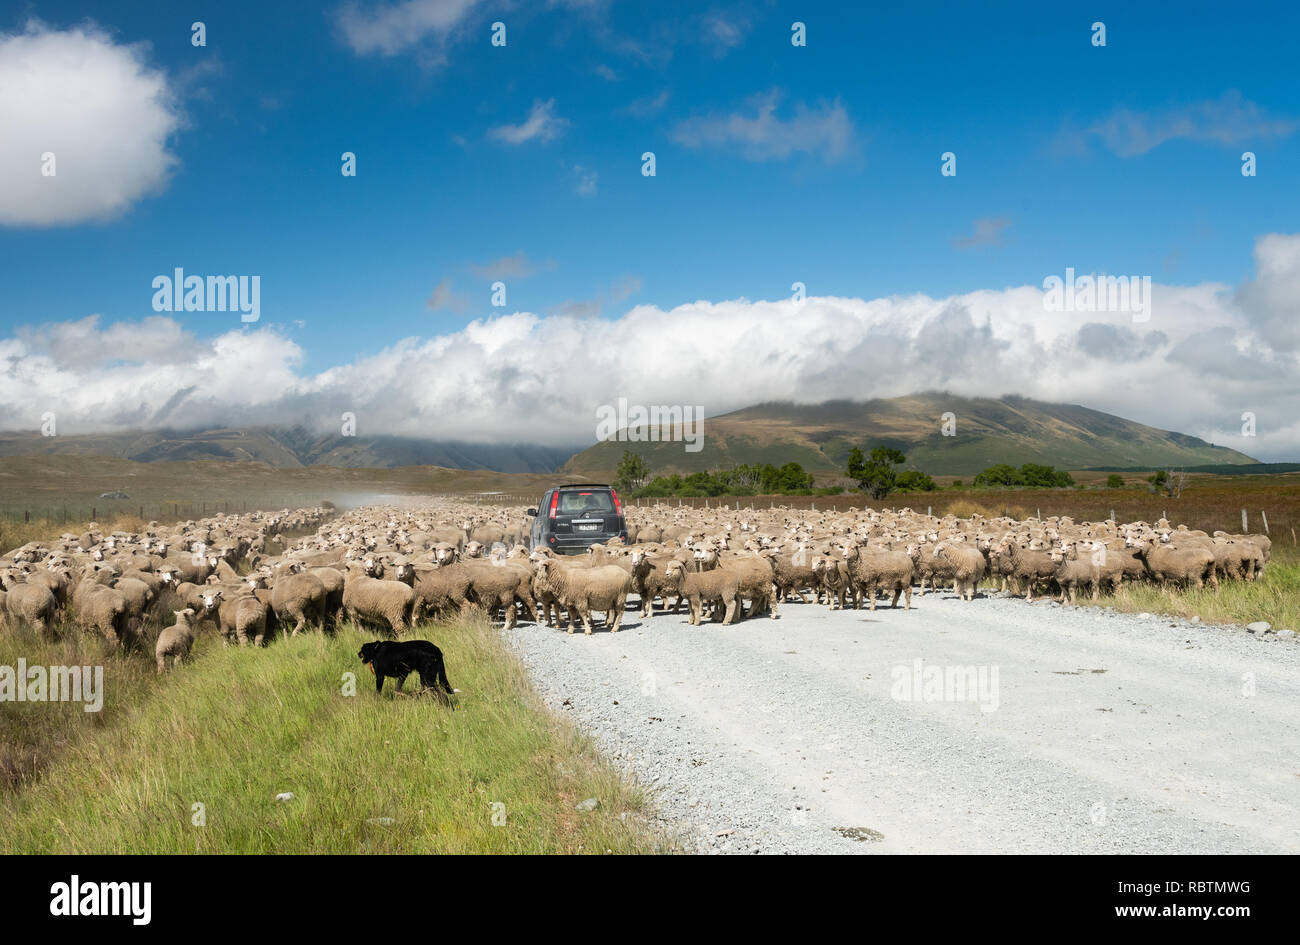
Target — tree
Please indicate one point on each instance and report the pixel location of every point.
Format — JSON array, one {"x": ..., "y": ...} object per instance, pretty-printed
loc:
[
  {"x": 1029, "y": 476},
  {"x": 876, "y": 475},
  {"x": 999, "y": 474},
  {"x": 1114, "y": 481},
  {"x": 913, "y": 480},
  {"x": 632, "y": 472}
]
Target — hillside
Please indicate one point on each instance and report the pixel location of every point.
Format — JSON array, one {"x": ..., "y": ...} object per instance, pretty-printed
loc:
[
  {"x": 289, "y": 448},
  {"x": 1007, "y": 430}
]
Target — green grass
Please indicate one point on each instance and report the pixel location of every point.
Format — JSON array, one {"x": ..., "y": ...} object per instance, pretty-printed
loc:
[{"x": 237, "y": 726}]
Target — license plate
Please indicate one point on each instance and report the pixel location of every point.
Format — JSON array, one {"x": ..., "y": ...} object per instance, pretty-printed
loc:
[{"x": 587, "y": 528}]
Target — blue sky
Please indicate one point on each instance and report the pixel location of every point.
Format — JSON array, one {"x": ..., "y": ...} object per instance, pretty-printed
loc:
[{"x": 775, "y": 164}]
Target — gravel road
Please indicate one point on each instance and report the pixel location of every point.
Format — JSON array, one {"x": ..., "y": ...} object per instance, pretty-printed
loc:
[{"x": 1094, "y": 732}]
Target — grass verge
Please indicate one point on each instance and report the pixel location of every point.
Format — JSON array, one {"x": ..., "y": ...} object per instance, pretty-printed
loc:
[{"x": 369, "y": 774}]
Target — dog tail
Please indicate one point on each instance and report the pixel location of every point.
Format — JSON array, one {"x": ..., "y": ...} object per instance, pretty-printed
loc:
[{"x": 442, "y": 678}]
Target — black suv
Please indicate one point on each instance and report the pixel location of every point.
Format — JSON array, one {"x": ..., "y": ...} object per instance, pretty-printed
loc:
[{"x": 573, "y": 517}]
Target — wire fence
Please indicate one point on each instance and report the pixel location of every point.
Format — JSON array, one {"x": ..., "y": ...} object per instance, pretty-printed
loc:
[{"x": 110, "y": 510}]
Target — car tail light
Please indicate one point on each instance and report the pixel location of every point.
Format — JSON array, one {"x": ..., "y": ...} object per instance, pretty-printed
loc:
[
  {"x": 618, "y": 506},
  {"x": 555, "y": 500}
]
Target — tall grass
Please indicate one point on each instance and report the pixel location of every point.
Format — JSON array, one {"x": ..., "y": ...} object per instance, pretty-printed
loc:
[{"x": 369, "y": 773}]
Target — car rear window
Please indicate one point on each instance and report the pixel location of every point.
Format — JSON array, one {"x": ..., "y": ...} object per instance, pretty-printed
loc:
[{"x": 578, "y": 503}]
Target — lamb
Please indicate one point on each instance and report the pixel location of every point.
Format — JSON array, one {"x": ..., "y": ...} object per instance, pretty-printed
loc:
[
  {"x": 582, "y": 590},
  {"x": 966, "y": 564},
  {"x": 367, "y": 598},
  {"x": 175, "y": 641},
  {"x": 716, "y": 586}
]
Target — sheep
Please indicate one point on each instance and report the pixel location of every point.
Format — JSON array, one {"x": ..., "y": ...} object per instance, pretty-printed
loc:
[
  {"x": 498, "y": 584},
  {"x": 657, "y": 582},
  {"x": 1169, "y": 563},
  {"x": 241, "y": 617},
  {"x": 870, "y": 572},
  {"x": 966, "y": 564},
  {"x": 175, "y": 641},
  {"x": 715, "y": 586},
  {"x": 582, "y": 590},
  {"x": 30, "y": 603},
  {"x": 1030, "y": 565},
  {"x": 332, "y": 579},
  {"x": 138, "y": 598},
  {"x": 442, "y": 588},
  {"x": 101, "y": 608},
  {"x": 754, "y": 573},
  {"x": 793, "y": 573},
  {"x": 367, "y": 598},
  {"x": 1072, "y": 570},
  {"x": 300, "y": 597},
  {"x": 58, "y": 581}
]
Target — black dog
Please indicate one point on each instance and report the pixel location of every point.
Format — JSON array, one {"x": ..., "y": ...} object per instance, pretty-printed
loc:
[{"x": 399, "y": 660}]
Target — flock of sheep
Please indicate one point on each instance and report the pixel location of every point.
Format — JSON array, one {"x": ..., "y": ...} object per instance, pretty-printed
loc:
[{"x": 245, "y": 576}]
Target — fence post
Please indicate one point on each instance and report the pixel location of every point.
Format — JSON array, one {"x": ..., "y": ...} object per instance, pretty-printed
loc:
[
  {"x": 1244, "y": 527},
  {"x": 27, "y": 516},
  {"x": 1265, "y": 518},
  {"x": 1112, "y": 515}
]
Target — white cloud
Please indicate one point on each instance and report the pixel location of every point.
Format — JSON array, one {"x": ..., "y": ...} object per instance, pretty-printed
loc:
[
  {"x": 392, "y": 28},
  {"x": 542, "y": 124},
  {"x": 825, "y": 130},
  {"x": 97, "y": 106},
  {"x": 1204, "y": 357},
  {"x": 1227, "y": 120}
]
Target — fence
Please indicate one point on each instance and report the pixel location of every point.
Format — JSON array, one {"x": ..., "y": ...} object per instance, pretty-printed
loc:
[{"x": 110, "y": 510}]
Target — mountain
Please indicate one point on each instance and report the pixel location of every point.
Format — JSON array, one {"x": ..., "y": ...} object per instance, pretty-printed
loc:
[
  {"x": 1007, "y": 430},
  {"x": 290, "y": 448}
]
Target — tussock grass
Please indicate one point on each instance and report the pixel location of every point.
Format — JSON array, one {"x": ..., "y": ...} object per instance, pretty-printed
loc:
[{"x": 238, "y": 726}]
